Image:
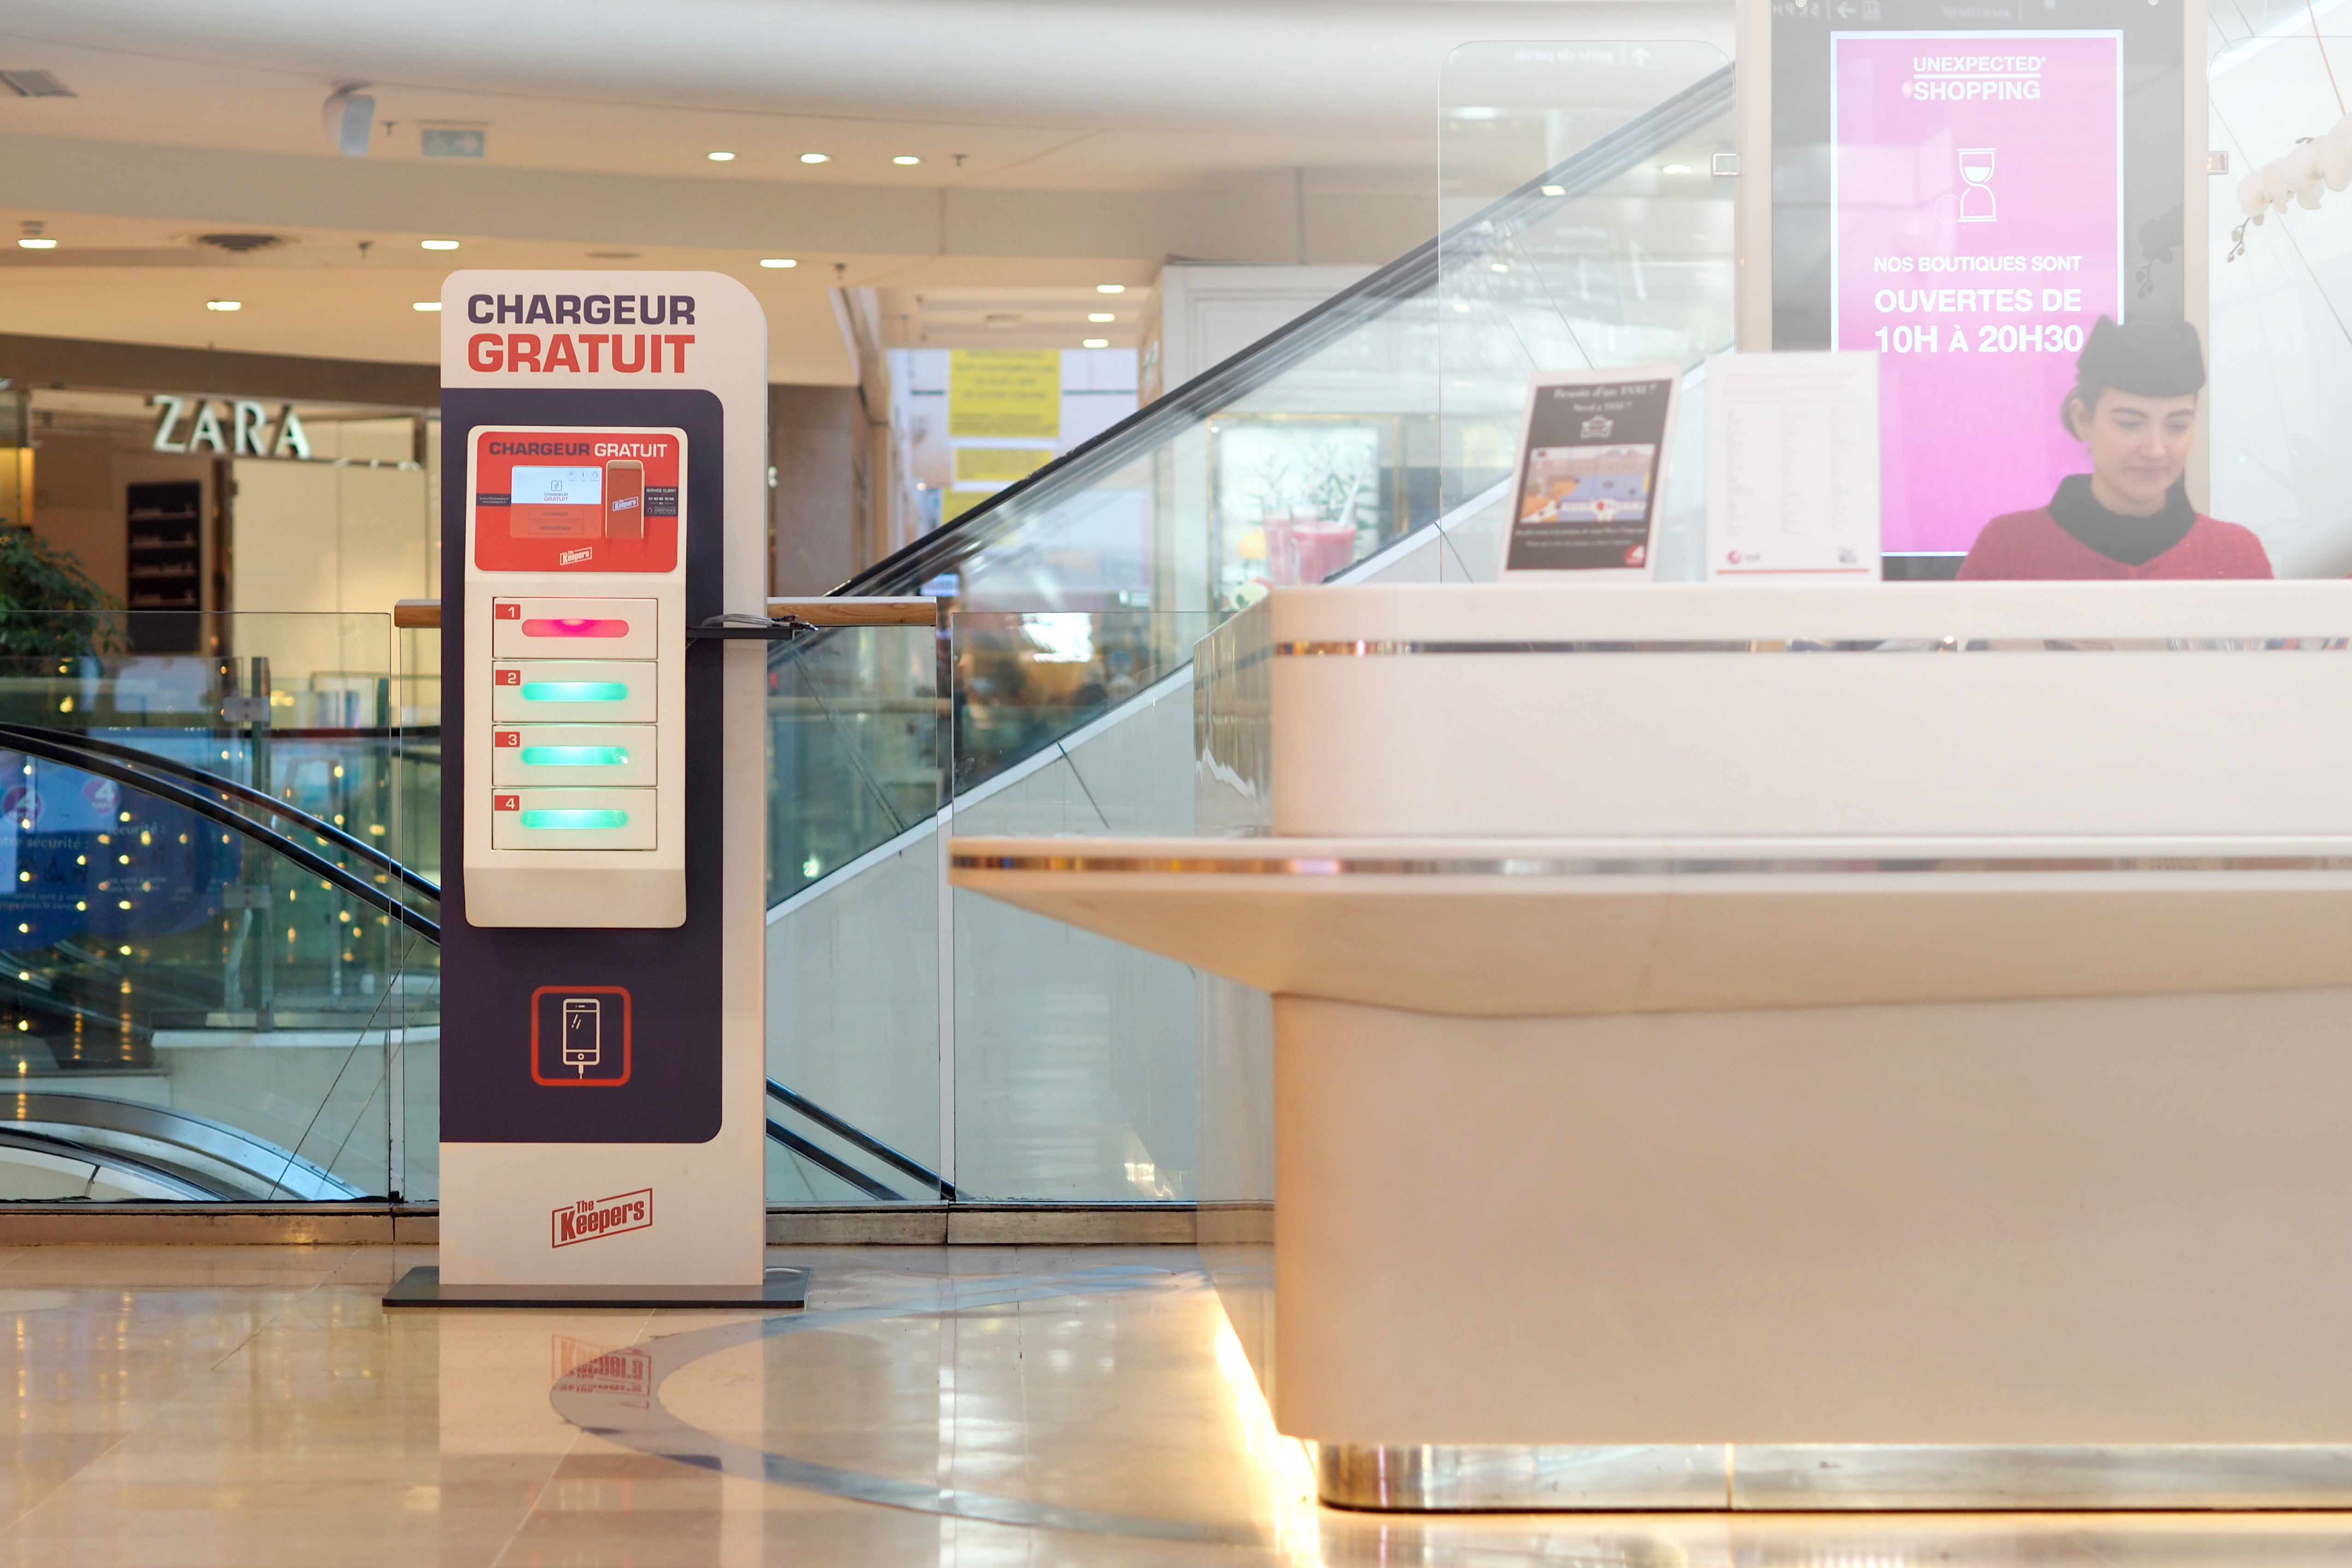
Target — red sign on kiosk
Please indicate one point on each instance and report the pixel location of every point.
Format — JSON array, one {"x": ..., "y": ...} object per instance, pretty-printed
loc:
[{"x": 576, "y": 501}]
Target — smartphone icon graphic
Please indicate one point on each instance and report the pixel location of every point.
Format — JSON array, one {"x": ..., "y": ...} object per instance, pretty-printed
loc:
[
  {"x": 624, "y": 500},
  {"x": 583, "y": 1033}
]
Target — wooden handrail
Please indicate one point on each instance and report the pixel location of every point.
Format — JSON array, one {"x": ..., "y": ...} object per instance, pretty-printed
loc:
[{"x": 425, "y": 614}]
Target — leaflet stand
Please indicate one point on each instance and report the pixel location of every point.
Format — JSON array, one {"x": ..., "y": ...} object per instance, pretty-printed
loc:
[{"x": 604, "y": 444}]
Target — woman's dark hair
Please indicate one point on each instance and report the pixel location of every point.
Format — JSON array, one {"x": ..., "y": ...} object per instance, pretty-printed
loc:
[{"x": 2146, "y": 359}]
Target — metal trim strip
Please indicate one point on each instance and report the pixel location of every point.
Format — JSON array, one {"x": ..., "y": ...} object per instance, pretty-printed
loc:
[
  {"x": 1641, "y": 866},
  {"x": 1764, "y": 1478},
  {"x": 1375, "y": 647}
]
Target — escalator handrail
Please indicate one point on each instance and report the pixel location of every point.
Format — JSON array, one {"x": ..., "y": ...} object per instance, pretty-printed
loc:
[
  {"x": 188, "y": 1185},
  {"x": 232, "y": 1146},
  {"x": 842, "y": 1168},
  {"x": 36, "y": 744},
  {"x": 1372, "y": 296},
  {"x": 833, "y": 1124},
  {"x": 228, "y": 786}
]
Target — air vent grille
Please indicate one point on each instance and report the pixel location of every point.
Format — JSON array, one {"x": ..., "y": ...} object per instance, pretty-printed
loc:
[
  {"x": 241, "y": 244},
  {"x": 35, "y": 84}
]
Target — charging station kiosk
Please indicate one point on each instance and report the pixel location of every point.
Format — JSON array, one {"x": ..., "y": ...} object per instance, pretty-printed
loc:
[{"x": 603, "y": 501}]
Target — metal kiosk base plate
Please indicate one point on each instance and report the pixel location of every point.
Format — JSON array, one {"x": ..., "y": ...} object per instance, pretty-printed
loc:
[{"x": 783, "y": 1287}]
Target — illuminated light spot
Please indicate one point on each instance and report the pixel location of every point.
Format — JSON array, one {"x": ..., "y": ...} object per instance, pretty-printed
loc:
[
  {"x": 584, "y": 628},
  {"x": 1110, "y": 288},
  {"x": 438, "y": 244},
  {"x": 720, "y": 157},
  {"x": 816, "y": 158},
  {"x": 574, "y": 691},
  {"x": 573, "y": 757},
  {"x": 778, "y": 261},
  {"x": 124, "y": 903},
  {"x": 575, "y": 819}
]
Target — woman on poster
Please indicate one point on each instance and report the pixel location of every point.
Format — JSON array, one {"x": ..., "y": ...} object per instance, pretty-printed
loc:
[{"x": 2134, "y": 407}]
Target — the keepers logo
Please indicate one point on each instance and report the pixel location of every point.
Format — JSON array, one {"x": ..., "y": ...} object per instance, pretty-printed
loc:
[{"x": 587, "y": 1221}]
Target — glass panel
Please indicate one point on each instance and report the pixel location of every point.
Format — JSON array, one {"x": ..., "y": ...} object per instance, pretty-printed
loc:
[
  {"x": 1586, "y": 230},
  {"x": 854, "y": 885},
  {"x": 2282, "y": 315},
  {"x": 1073, "y": 1054},
  {"x": 213, "y": 950}
]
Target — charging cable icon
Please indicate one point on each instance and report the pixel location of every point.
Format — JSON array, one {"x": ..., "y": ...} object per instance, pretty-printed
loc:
[{"x": 583, "y": 1033}]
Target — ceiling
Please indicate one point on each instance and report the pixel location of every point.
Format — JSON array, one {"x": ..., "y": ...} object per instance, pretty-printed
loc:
[{"x": 1061, "y": 146}]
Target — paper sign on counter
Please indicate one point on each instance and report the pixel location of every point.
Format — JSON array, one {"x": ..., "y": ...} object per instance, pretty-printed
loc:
[{"x": 1792, "y": 467}]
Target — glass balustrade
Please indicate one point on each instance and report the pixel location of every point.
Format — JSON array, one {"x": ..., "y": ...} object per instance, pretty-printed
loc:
[{"x": 215, "y": 962}]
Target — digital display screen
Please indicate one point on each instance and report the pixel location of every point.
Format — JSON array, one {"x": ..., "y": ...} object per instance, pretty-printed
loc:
[
  {"x": 1976, "y": 223},
  {"x": 1963, "y": 187},
  {"x": 558, "y": 487}
]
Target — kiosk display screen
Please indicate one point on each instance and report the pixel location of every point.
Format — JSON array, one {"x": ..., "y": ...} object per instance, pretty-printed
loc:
[{"x": 1965, "y": 189}]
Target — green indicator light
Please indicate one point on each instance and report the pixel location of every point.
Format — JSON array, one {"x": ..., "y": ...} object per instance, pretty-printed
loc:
[
  {"x": 574, "y": 691},
  {"x": 576, "y": 756},
  {"x": 575, "y": 818}
]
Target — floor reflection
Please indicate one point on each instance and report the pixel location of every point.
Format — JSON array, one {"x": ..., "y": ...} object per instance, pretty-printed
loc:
[{"x": 251, "y": 1405}]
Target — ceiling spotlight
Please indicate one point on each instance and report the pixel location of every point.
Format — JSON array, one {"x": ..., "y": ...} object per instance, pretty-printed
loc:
[
  {"x": 438, "y": 244},
  {"x": 1675, "y": 169},
  {"x": 1110, "y": 288},
  {"x": 908, "y": 159},
  {"x": 1095, "y": 342},
  {"x": 38, "y": 243},
  {"x": 720, "y": 157},
  {"x": 1100, "y": 316},
  {"x": 1555, "y": 190},
  {"x": 778, "y": 261},
  {"x": 427, "y": 305},
  {"x": 814, "y": 158},
  {"x": 223, "y": 304}
]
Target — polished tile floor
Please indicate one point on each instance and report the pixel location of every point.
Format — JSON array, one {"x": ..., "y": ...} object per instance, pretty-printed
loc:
[{"x": 254, "y": 1407}]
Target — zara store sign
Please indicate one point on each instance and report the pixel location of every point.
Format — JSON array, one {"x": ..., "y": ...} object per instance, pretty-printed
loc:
[{"x": 249, "y": 432}]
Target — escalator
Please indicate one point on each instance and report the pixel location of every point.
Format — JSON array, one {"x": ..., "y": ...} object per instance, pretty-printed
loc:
[
  {"x": 1054, "y": 695},
  {"x": 121, "y": 1025}
]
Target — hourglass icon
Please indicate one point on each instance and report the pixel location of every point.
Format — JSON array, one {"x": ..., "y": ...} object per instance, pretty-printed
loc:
[{"x": 1976, "y": 199}]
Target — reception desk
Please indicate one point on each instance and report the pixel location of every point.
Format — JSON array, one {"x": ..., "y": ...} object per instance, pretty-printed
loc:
[{"x": 1882, "y": 1047}]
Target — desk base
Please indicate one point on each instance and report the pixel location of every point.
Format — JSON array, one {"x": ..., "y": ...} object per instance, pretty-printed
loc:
[
  {"x": 1762, "y": 1477},
  {"x": 783, "y": 1287}
]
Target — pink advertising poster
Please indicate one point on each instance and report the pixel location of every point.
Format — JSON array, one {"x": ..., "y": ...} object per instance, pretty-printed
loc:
[{"x": 1977, "y": 233}]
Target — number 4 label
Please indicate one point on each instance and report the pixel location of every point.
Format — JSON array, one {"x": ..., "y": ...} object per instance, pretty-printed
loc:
[{"x": 505, "y": 802}]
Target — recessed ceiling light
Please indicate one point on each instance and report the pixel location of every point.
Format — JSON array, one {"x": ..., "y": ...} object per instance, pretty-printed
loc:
[
  {"x": 1675, "y": 169},
  {"x": 720, "y": 157},
  {"x": 1555, "y": 190},
  {"x": 1110, "y": 288},
  {"x": 438, "y": 244},
  {"x": 223, "y": 304},
  {"x": 1498, "y": 266},
  {"x": 38, "y": 243},
  {"x": 906, "y": 158},
  {"x": 427, "y": 305},
  {"x": 778, "y": 261},
  {"x": 1100, "y": 316},
  {"x": 815, "y": 158},
  {"x": 1095, "y": 343}
]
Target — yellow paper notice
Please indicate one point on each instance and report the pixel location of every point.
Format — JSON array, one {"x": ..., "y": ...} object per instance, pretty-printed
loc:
[
  {"x": 1005, "y": 392},
  {"x": 999, "y": 465}
]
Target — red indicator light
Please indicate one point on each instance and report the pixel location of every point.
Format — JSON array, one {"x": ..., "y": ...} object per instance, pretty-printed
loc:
[{"x": 575, "y": 628}]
